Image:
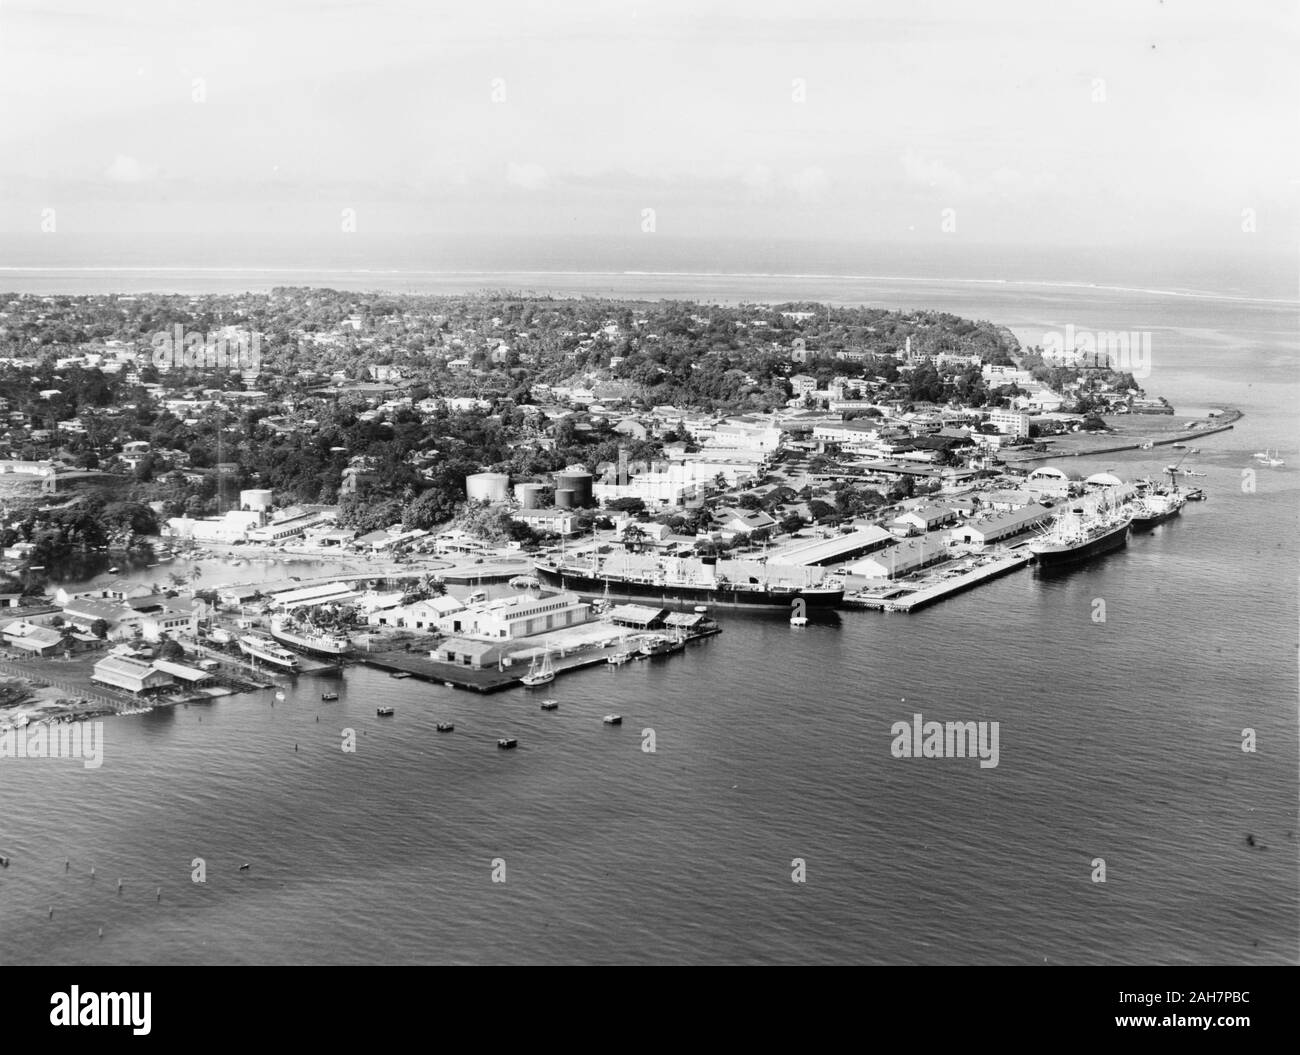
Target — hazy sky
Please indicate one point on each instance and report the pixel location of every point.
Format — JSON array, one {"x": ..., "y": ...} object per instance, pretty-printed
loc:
[{"x": 1037, "y": 122}]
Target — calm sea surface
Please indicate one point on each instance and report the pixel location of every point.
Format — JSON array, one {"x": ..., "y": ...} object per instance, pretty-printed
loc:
[{"x": 1118, "y": 740}]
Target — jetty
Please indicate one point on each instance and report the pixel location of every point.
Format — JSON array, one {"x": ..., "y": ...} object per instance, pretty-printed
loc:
[
  {"x": 497, "y": 678},
  {"x": 910, "y": 596}
]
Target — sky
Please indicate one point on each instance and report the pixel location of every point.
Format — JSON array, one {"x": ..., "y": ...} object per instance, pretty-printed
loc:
[{"x": 1059, "y": 126}]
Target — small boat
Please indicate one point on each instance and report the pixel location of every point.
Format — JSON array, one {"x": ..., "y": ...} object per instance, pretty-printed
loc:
[
  {"x": 245, "y": 867},
  {"x": 550, "y": 705},
  {"x": 1180, "y": 446},
  {"x": 613, "y": 719},
  {"x": 507, "y": 743},
  {"x": 798, "y": 620},
  {"x": 400, "y": 674},
  {"x": 617, "y": 659},
  {"x": 701, "y": 609},
  {"x": 539, "y": 675},
  {"x": 445, "y": 727},
  {"x": 279, "y": 695},
  {"x": 1270, "y": 459},
  {"x": 329, "y": 695},
  {"x": 114, "y": 570},
  {"x": 384, "y": 712}
]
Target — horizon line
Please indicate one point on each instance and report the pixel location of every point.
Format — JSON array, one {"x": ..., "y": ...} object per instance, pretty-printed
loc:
[{"x": 1193, "y": 294}]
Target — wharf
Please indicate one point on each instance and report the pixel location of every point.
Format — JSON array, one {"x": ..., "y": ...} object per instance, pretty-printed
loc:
[
  {"x": 1076, "y": 447},
  {"x": 899, "y": 597},
  {"x": 492, "y": 679}
]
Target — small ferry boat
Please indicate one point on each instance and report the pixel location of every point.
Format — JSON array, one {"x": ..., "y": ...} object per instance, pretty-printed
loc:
[
  {"x": 550, "y": 705},
  {"x": 400, "y": 674},
  {"x": 507, "y": 743},
  {"x": 617, "y": 659},
  {"x": 384, "y": 712},
  {"x": 526, "y": 582},
  {"x": 445, "y": 727},
  {"x": 613, "y": 719},
  {"x": 329, "y": 695},
  {"x": 260, "y": 647}
]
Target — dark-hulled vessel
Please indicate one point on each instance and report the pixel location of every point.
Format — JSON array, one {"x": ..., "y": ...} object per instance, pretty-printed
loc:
[
  {"x": 1155, "y": 508},
  {"x": 1076, "y": 535}
]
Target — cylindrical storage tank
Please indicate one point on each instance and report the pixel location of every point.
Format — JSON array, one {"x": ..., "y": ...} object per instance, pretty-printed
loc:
[
  {"x": 564, "y": 499},
  {"x": 529, "y": 496},
  {"x": 577, "y": 482},
  {"x": 257, "y": 499},
  {"x": 487, "y": 487}
]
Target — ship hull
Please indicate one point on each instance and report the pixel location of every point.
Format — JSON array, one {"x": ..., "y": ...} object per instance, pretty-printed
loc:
[
  {"x": 1057, "y": 555},
  {"x": 1144, "y": 523},
  {"x": 678, "y": 596},
  {"x": 253, "y": 652}
]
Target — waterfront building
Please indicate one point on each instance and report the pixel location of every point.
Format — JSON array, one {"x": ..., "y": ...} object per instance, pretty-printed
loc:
[
  {"x": 133, "y": 675},
  {"x": 419, "y": 615},
  {"x": 908, "y": 556},
  {"x": 1000, "y": 526},
  {"x": 510, "y": 618},
  {"x": 310, "y": 596},
  {"x": 833, "y": 550},
  {"x": 1050, "y": 482},
  {"x": 477, "y": 655},
  {"x": 924, "y": 518}
]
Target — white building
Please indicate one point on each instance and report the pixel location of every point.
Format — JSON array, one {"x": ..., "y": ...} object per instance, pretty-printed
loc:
[
  {"x": 509, "y": 618},
  {"x": 1014, "y": 423}
]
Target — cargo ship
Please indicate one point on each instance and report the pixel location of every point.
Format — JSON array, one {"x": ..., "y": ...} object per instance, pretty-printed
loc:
[
  {"x": 1076, "y": 535},
  {"x": 260, "y": 647},
  {"x": 1155, "y": 508},
  {"x": 308, "y": 639},
  {"x": 684, "y": 582}
]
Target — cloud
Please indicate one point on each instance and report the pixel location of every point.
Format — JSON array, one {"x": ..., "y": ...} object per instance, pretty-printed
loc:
[
  {"x": 129, "y": 170},
  {"x": 529, "y": 176}
]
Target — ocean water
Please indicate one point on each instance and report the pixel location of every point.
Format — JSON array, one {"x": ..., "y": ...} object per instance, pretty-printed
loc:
[{"x": 1118, "y": 740}]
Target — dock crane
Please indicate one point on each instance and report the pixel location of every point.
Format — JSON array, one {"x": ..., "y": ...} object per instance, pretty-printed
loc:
[{"x": 1175, "y": 471}]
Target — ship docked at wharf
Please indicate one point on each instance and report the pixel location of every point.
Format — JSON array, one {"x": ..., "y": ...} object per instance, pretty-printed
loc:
[
  {"x": 1077, "y": 534},
  {"x": 683, "y": 582},
  {"x": 262, "y": 649},
  {"x": 1155, "y": 507},
  {"x": 309, "y": 639}
]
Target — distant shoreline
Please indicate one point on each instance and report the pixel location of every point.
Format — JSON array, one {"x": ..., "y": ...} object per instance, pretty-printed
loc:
[{"x": 473, "y": 278}]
